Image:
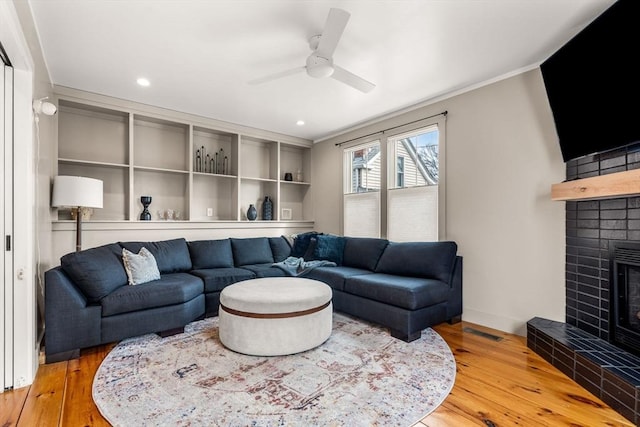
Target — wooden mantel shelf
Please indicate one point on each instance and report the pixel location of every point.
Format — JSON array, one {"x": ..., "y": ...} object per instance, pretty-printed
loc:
[{"x": 619, "y": 184}]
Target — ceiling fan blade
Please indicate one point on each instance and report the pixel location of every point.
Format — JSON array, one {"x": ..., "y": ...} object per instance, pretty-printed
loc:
[
  {"x": 333, "y": 29},
  {"x": 352, "y": 80},
  {"x": 277, "y": 75}
]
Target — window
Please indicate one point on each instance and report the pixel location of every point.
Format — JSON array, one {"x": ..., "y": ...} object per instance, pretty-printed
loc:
[
  {"x": 412, "y": 200},
  {"x": 400, "y": 172},
  {"x": 364, "y": 168},
  {"x": 362, "y": 190},
  {"x": 394, "y": 187}
]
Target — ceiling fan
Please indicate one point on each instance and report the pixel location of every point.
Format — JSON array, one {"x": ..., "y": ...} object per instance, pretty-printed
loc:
[{"x": 320, "y": 62}]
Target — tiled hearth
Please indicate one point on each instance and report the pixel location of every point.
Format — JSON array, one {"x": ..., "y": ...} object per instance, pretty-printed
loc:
[{"x": 605, "y": 370}]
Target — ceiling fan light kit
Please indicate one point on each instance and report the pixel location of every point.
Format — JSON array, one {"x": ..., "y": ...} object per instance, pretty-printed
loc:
[
  {"x": 319, "y": 67},
  {"x": 320, "y": 63}
]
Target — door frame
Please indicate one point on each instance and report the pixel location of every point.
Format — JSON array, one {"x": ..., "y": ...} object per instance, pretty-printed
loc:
[{"x": 24, "y": 272}]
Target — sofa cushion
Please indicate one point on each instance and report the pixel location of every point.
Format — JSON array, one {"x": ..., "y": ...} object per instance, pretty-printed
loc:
[
  {"x": 280, "y": 248},
  {"x": 170, "y": 289},
  {"x": 250, "y": 251},
  {"x": 172, "y": 256},
  {"x": 329, "y": 247},
  {"x": 301, "y": 243},
  {"x": 96, "y": 272},
  {"x": 210, "y": 254},
  {"x": 265, "y": 270},
  {"x": 363, "y": 252},
  {"x": 433, "y": 260},
  {"x": 410, "y": 293},
  {"x": 216, "y": 279},
  {"x": 140, "y": 267},
  {"x": 335, "y": 276}
]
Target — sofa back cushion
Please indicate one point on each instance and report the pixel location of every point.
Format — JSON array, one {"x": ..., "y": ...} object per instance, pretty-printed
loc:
[
  {"x": 172, "y": 256},
  {"x": 363, "y": 252},
  {"x": 432, "y": 260},
  {"x": 211, "y": 254},
  {"x": 96, "y": 272},
  {"x": 280, "y": 248},
  {"x": 250, "y": 251}
]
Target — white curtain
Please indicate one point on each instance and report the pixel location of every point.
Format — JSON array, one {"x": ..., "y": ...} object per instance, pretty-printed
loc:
[
  {"x": 413, "y": 214},
  {"x": 362, "y": 214}
]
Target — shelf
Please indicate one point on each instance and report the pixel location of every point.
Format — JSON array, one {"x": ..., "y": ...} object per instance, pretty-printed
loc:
[
  {"x": 160, "y": 144},
  {"x": 91, "y": 163},
  {"x": 248, "y": 178},
  {"x": 152, "y": 169},
  {"x": 620, "y": 184},
  {"x": 295, "y": 183},
  {"x": 93, "y": 134}
]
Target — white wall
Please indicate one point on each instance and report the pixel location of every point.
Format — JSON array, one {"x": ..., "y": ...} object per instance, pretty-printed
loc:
[{"x": 502, "y": 157}]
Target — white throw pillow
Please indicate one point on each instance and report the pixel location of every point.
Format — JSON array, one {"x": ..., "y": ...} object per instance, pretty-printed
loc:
[{"x": 141, "y": 267}]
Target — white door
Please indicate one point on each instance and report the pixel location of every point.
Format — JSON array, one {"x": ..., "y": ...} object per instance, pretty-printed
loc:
[{"x": 6, "y": 227}]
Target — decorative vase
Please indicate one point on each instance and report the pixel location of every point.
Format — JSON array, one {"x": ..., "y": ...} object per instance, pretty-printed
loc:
[
  {"x": 267, "y": 209},
  {"x": 145, "y": 215},
  {"x": 252, "y": 213},
  {"x": 288, "y": 176}
]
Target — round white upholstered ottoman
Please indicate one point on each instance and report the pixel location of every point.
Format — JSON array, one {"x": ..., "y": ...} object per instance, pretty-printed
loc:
[{"x": 274, "y": 316}]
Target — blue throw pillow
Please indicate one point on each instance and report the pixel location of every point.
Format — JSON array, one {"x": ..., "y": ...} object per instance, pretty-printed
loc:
[
  {"x": 301, "y": 243},
  {"x": 329, "y": 248}
]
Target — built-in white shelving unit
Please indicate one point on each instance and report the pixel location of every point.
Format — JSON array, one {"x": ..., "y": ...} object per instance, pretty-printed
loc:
[{"x": 200, "y": 171}]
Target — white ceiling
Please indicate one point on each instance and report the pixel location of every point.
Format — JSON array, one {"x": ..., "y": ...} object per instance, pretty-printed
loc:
[{"x": 200, "y": 55}]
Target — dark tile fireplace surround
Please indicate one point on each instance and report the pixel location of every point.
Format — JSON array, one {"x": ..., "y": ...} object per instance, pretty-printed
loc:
[{"x": 581, "y": 346}]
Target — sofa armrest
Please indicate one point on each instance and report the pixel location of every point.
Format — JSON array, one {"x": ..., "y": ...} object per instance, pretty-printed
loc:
[{"x": 70, "y": 323}]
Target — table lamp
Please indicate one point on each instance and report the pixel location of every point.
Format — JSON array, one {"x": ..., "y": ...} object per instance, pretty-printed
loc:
[{"x": 76, "y": 192}]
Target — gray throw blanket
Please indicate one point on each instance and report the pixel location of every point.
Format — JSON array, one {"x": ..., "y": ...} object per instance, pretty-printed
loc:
[{"x": 293, "y": 266}]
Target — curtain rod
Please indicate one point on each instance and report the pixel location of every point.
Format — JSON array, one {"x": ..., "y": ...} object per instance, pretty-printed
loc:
[{"x": 444, "y": 113}]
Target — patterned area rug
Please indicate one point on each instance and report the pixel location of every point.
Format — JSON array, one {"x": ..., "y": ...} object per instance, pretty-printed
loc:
[{"x": 360, "y": 376}]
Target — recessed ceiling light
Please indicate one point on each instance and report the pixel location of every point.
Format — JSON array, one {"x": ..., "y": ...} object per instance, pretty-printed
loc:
[
  {"x": 300, "y": 122},
  {"x": 143, "y": 82}
]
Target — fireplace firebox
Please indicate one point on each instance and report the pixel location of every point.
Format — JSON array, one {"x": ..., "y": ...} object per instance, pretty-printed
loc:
[{"x": 624, "y": 270}]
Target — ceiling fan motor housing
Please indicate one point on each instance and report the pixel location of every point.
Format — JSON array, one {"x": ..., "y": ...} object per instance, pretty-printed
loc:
[{"x": 319, "y": 67}]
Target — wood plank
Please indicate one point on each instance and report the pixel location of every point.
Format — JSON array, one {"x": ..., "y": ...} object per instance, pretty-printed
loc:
[
  {"x": 78, "y": 408},
  {"x": 447, "y": 415},
  {"x": 44, "y": 401},
  {"x": 11, "y": 404},
  {"x": 604, "y": 186}
]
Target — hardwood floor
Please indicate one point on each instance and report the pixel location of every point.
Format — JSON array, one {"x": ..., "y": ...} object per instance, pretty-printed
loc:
[{"x": 498, "y": 383}]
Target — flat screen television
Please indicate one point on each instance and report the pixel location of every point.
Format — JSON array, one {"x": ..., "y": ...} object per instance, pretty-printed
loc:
[{"x": 593, "y": 84}]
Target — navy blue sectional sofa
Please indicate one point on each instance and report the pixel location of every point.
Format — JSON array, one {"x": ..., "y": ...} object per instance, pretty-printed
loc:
[{"x": 406, "y": 287}]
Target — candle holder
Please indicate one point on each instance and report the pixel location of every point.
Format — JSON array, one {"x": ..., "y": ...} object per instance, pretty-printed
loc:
[{"x": 145, "y": 215}]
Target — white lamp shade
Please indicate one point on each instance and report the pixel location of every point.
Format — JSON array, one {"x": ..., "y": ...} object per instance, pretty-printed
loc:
[{"x": 76, "y": 191}]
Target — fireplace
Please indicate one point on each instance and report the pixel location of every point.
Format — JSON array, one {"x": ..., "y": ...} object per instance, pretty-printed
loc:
[{"x": 624, "y": 268}]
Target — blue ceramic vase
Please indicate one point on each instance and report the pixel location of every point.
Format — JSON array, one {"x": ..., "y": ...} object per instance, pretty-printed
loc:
[{"x": 252, "y": 213}]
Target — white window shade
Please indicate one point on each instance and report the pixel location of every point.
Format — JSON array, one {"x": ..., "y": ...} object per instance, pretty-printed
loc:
[
  {"x": 362, "y": 214},
  {"x": 413, "y": 214}
]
